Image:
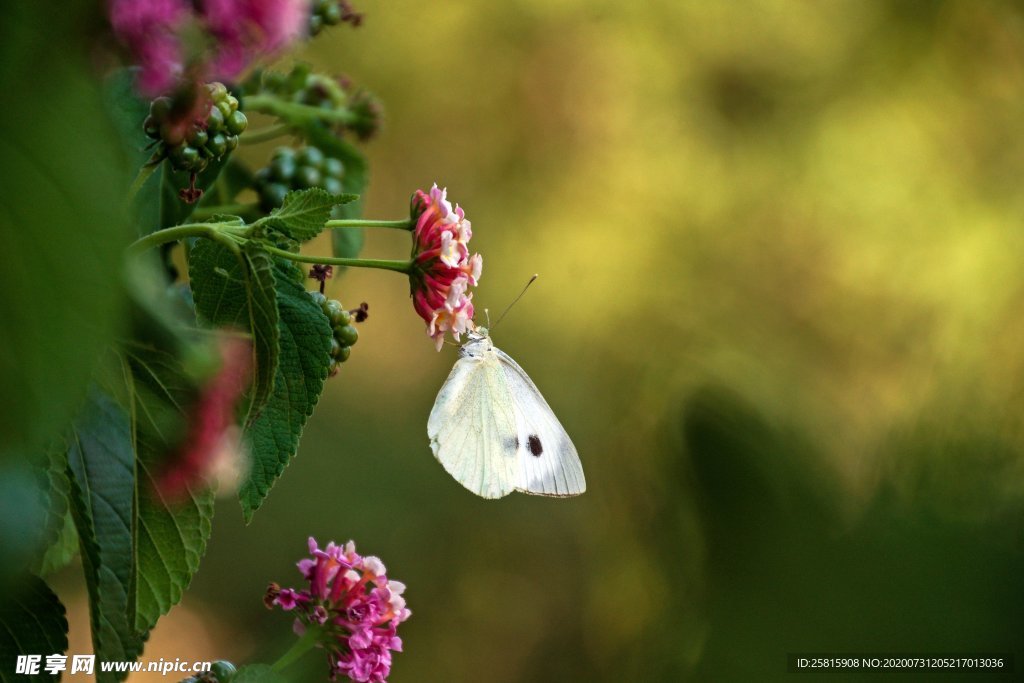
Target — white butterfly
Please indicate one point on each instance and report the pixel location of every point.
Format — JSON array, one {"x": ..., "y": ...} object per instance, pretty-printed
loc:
[{"x": 495, "y": 433}]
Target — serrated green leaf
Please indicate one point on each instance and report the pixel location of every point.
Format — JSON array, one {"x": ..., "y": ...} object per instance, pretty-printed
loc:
[
  {"x": 58, "y": 489},
  {"x": 32, "y": 622},
  {"x": 238, "y": 291},
  {"x": 60, "y": 539},
  {"x": 63, "y": 549},
  {"x": 101, "y": 463},
  {"x": 258, "y": 673},
  {"x": 172, "y": 535},
  {"x": 305, "y": 357},
  {"x": 303, "y": 213},
  {"x": 164, "y": 365}
]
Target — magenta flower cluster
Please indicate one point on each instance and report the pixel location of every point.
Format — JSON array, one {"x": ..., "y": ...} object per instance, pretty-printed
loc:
[
  {"x": 158, "y": 34},
  {"x": 354, "y": 606},
  {"x": 443, "y": 269}
]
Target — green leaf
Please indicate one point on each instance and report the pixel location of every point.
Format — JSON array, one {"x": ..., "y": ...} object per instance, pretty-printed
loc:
[
  {"x": 258, "y": 673},
  {"x": 102, "y": 467},
  {"x": 60, "y": 539},
  {"x": 32, "y": 622},
  {"x": 238, "y": 291},
  {"x": 305, "y": 356},
  {"x": 172, "y": 535},
  {"x": 24, "y": 515},
  {"x": 61, "y": 221},
  {"x": 127, "y": 112},
  {"x": 347, "y": 243},
  {"x": 303, "y": 214},
  {"x": 63, "y": 550}
]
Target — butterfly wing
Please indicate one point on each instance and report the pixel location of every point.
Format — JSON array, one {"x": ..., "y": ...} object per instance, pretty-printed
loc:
[
  {"x": 547, "y": 463},
  {"x": 472, "y": 427}
]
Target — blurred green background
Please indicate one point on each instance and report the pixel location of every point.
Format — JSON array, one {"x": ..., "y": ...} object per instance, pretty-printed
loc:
[{"x": 779, "y": 312}]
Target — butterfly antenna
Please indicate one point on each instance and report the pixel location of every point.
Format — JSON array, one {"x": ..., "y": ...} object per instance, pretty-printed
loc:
[{"x": 514, "y": 301}]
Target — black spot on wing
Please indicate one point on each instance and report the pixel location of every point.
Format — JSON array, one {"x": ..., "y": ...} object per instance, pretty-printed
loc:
[{"x": 535, "y": 446}]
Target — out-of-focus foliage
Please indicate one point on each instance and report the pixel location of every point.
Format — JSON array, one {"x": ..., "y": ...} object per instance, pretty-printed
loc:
[{"x": 779, "y": 313}]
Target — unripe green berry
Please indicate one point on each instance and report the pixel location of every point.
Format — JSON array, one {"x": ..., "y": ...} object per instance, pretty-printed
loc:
[
  {"x": 218, "y": 91},
  {"x": 310, "y": 156},
  {"x": 184, "y": 157},
  {"x": 335, "y": 348},
  {"x": 306, "y": 177},
  {"x": 218, "y": 145},
  {"x": 223, "y": 670},
  {"x": 332, "y": 369},
  {"x": 333, "y": 310},
  {"x": 346, "y": 334},
  {"x": 318, "y": 297},
  {"x": 160, "y": 108},
  {"x": 333, "y": 167},
  {"x": 151, "y": 126},
  {"x": 282, "y": 168},
  {"x": 236, "y": 123},
  {"x": 225, "y": 109},
  {"x": 333, "y": 185},
  {"x": 343, "y": 354},
  {"x": 273, "y": 195},
  {"x": 197, "y": 137},
  {"x": 332, "y": 14},
  {"x": 232, "y": 141},
  {"x": 215, "y": 120},
  {"x": 341, "y": 318}
]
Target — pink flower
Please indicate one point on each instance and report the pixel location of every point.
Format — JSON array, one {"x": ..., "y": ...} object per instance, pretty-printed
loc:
[
  {"x": 443, "y": 269},
  {"x": 245, "y": 29},
  {"x": 211, "y": 427},
  {"x": 239, "y": 32},
  {"x": 149, "y": 29},
  {"x": 355, "y": 606}
]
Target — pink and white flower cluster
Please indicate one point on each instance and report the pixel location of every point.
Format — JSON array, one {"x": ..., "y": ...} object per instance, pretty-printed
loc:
[
  {"x": 443, "y": 269},
  {"x": 211, "y": 441},
  {"x": 157, "y": 32},
  {"x": 355, "y": 606}
]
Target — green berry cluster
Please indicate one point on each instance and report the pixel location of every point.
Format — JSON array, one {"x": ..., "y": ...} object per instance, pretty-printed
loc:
[
  {"x": 190, "y": 142},
  {"x": 303, "y": 86},
  {"x": 331, "y": 13},
  {"x": 221, "y": 671},
  {"x": 300, "y": 169},
  {"x": 345, "y": 333}
]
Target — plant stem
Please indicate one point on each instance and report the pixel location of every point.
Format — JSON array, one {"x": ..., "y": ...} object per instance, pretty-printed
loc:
[
  {"x": 403, "y": 224},
  {"x": 293, "y": 112},
  {"x": 225, "y": 209},
  {"x": 212, "y": 231},
  {"x": 263, "y": 134},
  {"x": 299, "y": 648},
  {"x": 397, "y": 266}
]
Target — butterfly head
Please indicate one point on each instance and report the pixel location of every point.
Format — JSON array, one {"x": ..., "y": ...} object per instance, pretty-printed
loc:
[{"x": 478, "y": 341}]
